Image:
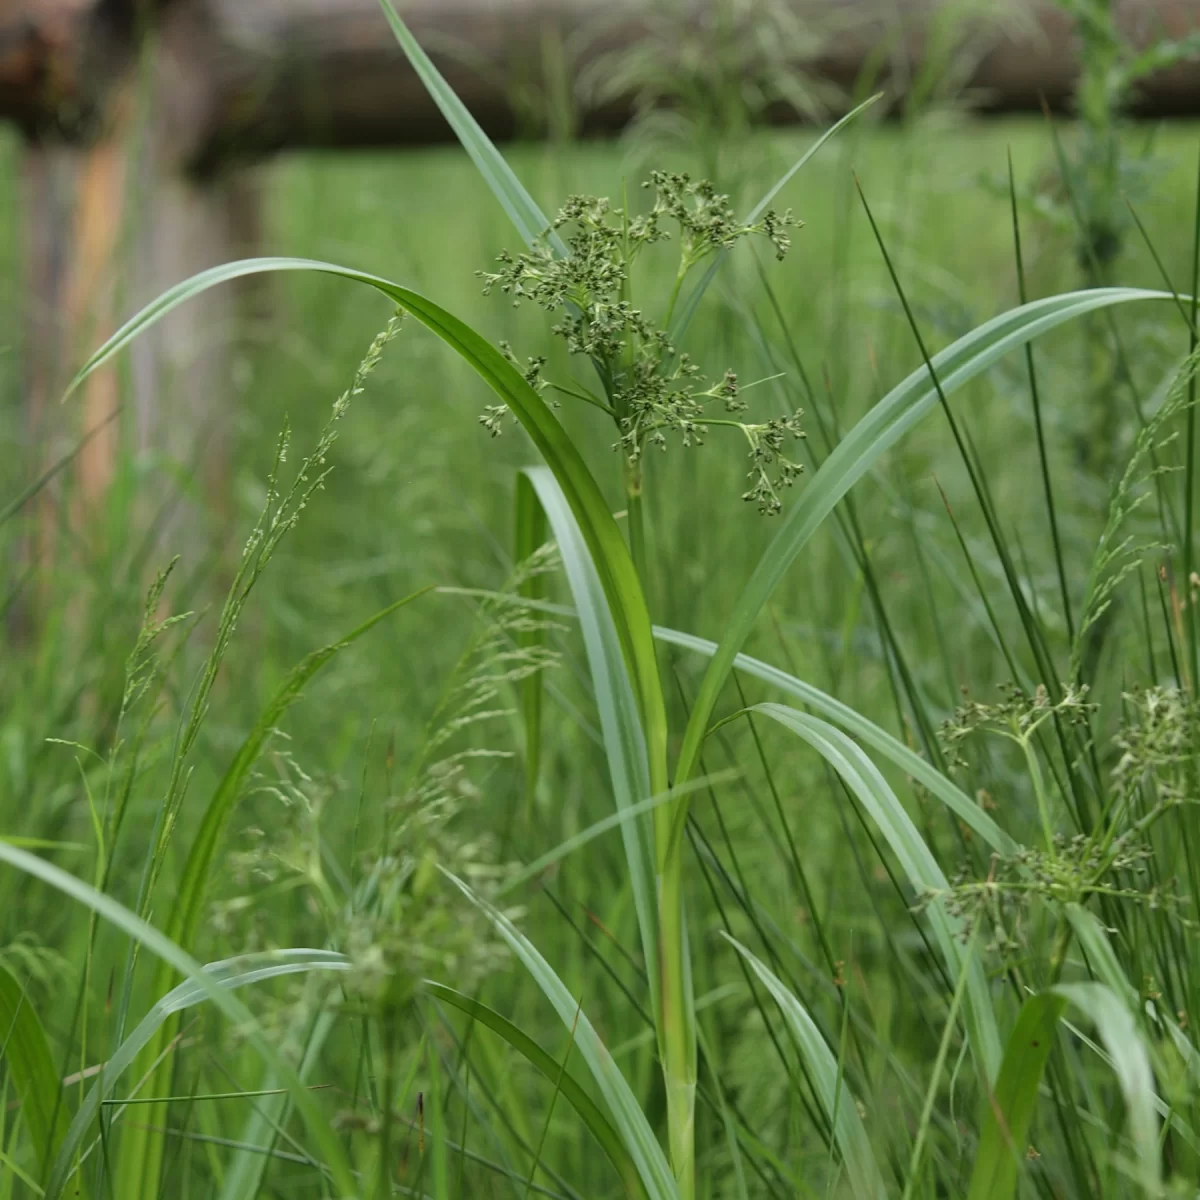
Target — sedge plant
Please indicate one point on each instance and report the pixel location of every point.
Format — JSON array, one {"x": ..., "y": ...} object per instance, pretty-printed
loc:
[{"x": 1064, "y": 857}]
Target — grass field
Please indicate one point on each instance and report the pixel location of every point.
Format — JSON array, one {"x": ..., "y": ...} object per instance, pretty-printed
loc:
[{"x": 898, "y": 605}]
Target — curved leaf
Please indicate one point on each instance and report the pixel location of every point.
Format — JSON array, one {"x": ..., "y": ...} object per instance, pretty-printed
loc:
[
  {"x": 624, "y": 742},
  {"x": 324, "y": 1140},
  {"x": 912, "y": 764},
  {"x": 858, "y": 452},
  {"x": 228, "y": 974},
  {"x": 851, "y": 1136},
  {"x": 627, "y": 1115},
  {"x": 863, "y": 778},
  {"x": 579, "y": 1100},
  {"x": 609, "y": 552},
  {"x": 520, "y": 206}
]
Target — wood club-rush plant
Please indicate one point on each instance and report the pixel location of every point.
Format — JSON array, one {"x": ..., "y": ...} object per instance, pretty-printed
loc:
[{"x": 577, "y": 266}]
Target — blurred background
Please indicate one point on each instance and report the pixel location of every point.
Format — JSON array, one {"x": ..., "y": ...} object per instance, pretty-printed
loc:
[{"x": 144, "y": 140}]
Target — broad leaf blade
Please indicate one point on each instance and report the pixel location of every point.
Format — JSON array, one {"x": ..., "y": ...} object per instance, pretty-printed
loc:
[
  {"x": 624, "y": 742},
  {"x": 1014, "y": 1098},
  {"x": 1006, "y": 1126}
]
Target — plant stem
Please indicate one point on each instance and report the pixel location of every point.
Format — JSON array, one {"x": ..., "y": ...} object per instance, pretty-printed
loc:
[
  {"x": 635, "y": 517},
  {"x": 679, "y": 278},
  {"x": 677, "y": 1030},
  {"x": 1039, "y": 791},
  {"x": 1190, "y": 450}
]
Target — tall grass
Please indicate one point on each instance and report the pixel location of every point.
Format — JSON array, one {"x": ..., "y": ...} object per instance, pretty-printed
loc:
[{"x": 776, "y": 912}]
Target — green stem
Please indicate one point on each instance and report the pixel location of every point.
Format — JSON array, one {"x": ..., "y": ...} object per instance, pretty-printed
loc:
[
  {"x": 1058, "y": 959},
  {"x": 1039, "y": 791},
  {"x": 1190, "y": 450},
  {"x": 679, "y": 278},
  {"x": 677, "y": 1026},
  {"x": 635, "y": 518},
  {"x": 939, "y": 1065},
  {"x": 581, "y": 393}
]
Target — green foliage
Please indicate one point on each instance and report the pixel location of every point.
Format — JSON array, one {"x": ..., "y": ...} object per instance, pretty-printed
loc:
[{"x": 825, "y": 951}]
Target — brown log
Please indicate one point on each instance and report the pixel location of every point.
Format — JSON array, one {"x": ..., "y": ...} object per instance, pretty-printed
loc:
[{"x": 261, "y": 75}]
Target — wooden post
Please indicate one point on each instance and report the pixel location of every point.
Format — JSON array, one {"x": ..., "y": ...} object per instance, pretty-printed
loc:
[{"x": 111, "y": 216}]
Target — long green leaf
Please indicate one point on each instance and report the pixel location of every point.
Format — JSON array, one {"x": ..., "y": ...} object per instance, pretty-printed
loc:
[
  {"x": 324, "y": 1140},
  {"x": 627, "y": 604},
  {"x": 32, "y": 1069},
  {"x": 589, "y": 1112},
  {"x": 1100, "y": 955},
  {"x": 863, "y": 778},
  {"x": 912, "y": 764},
  {"x": 524, "y": 213},
  {"x": 624, "y": 741},
  {"x": 1006, "y": 1127},
  {"x": 627, "y": 1116},
  {"x": 857, "y": 453},
  {"x": 1014, "y": 1098},
  {"x": 866, "y": 1182},
  {"x": 244, "y": 1171},
  {"x": 228, "y": 974}
]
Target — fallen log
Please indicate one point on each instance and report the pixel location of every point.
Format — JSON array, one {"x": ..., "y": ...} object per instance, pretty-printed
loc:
[{"x": 263, "y": 75}]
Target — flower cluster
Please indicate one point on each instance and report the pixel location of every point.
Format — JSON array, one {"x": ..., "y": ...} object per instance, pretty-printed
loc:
[
  {"x": 1074, "y": 870},
  {"x": 580, "y": 272},
  {"x": 1160, "y": 743},
  {"x": 1017, "y": 715}
]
